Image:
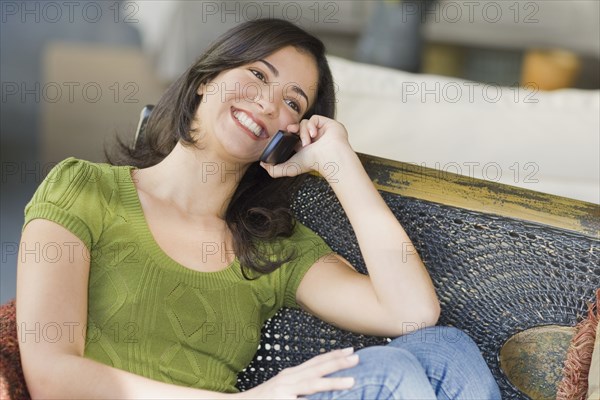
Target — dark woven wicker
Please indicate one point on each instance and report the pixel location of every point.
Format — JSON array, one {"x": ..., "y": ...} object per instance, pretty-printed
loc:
[{"x": 495, "y": 276}]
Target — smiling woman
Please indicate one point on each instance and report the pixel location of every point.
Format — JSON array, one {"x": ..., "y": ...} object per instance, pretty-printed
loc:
[
  {"x": 186, "y": 245},
  {"x": 260, "y": 97},
  {"x": 250, "y": 70}
]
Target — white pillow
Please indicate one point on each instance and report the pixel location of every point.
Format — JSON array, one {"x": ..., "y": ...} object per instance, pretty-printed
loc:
[{"x": 543, "y": 141}]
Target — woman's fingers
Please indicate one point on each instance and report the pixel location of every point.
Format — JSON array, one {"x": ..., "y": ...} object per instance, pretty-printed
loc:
[
  {"x": 305, "y": 129},
  {"x": 314, "y": 129},
  {"x": 313, "y": 379},
  {"x": 304, "y": 134},
  {"x": 288, "y": 168},
  {"x": 310, "y": 373},
  {"x": 327, "y": 367},
  {"x": 308, "y": 377}
]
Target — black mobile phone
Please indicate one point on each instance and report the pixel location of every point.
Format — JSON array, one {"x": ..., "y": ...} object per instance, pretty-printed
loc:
[{"x": 280, "y": 148}]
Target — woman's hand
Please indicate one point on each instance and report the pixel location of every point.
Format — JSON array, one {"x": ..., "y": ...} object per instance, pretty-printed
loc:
[
  {"x": 307, "y": 378},
  {"x": 320, "y": 137}
]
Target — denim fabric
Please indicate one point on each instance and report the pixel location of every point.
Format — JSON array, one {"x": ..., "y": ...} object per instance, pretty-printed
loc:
[{"x": 431, "y": 363}]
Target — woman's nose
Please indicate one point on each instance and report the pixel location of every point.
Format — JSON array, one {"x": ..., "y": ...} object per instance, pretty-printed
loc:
[{"x": 266, "y": 102}]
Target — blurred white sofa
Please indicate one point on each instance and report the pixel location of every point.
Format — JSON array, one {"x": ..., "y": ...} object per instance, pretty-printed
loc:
[{"x": 543, "y": 141}]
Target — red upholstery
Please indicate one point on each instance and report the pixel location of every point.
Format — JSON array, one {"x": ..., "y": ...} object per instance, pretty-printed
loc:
[{"x": 12, "y": 382}]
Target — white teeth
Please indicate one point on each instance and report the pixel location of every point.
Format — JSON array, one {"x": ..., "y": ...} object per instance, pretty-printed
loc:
[{"x": 247, "y": 122}]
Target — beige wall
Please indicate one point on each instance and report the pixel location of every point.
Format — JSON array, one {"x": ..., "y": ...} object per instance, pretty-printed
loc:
[{"x": 88, "y": 93}]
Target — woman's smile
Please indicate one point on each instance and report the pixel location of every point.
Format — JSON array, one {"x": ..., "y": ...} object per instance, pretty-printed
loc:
[
  {"x": 248, "y": 124},
  {"x": 272, "y": 104}
]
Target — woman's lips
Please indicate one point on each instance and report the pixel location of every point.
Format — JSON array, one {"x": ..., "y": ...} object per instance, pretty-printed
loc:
[{"x": 248, "y": 131}]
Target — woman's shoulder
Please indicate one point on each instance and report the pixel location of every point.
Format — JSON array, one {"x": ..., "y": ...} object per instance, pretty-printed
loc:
[
  {"x": 77, "y": 183},
  {"x": 76, "y": 173},
  {"x": 305, "y": 247},
  {"x": 76, "y": 165},
  {"x": 303, "y": 241},
  {"x": 303, "y": 233},
  {"x": 75, "y": 193}
]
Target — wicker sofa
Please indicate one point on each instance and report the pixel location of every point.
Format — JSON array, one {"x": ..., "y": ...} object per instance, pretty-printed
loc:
[{"x": 503, "y": 260}]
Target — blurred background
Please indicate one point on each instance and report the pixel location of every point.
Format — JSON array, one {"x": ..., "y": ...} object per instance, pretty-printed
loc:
[{"x": 500, "y": 90}]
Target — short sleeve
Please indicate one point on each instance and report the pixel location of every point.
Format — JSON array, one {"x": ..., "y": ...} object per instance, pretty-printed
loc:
[
  {"x": 309, "y": 247},
  {"x": 69, "y": 196}
]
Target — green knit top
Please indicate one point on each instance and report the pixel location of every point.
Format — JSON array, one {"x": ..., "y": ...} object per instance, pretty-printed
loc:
[{"x": 148, "y": 314}]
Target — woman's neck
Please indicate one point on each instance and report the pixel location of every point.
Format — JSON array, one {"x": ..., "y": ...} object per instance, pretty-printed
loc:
[{"x": 197, "y": 182}]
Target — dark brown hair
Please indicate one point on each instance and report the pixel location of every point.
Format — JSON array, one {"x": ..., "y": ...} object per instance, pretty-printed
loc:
[{"x": 259, "y": 209}]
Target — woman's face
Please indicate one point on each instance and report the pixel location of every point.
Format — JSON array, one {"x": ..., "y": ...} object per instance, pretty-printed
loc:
[{"x": 243, "y": 107}]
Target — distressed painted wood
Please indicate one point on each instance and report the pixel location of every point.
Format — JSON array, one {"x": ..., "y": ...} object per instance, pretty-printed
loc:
[{"x": 483, "y": 196}]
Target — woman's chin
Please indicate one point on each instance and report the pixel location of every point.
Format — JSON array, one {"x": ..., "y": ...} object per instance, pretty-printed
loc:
[
  {"x": 240, "y": 152},
  {"x": 242, "y": 156}
]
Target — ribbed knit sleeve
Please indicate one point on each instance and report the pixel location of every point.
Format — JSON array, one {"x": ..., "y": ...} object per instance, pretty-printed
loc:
[
  {"x": 309, "y": 248},
  {"x": 69, "y": 195}
]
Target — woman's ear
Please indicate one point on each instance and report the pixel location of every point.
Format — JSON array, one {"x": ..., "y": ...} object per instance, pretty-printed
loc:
[{"x": 201, "y": 89}]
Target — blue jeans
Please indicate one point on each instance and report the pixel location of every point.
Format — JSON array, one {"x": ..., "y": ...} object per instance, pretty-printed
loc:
[{"x": 431, "y": 363}]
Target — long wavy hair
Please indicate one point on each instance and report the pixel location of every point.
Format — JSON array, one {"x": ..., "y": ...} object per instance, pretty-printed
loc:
[{"x": 259, "y": 210}]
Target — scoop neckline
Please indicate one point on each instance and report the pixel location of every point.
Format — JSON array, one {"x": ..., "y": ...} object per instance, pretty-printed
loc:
[{"x": 133, "y": 207}]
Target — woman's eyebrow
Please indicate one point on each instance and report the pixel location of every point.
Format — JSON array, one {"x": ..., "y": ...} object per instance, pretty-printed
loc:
[{"x": 275, "y": 72}]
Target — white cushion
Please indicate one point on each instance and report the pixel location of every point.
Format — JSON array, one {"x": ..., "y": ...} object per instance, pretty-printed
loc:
[{"x": 543, "y": 141}]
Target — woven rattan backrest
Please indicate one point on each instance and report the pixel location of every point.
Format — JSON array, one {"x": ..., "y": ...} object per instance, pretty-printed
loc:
[{"x": 507, "y": 260}]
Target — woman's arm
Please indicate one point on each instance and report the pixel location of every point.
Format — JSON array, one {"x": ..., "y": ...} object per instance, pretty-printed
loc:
[{"x": 398, "y": 295}]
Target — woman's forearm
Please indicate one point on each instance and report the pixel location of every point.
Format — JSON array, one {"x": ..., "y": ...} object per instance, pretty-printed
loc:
[
  {"x": 72, "y": 376},
  {"x": 400, "y": 280}
]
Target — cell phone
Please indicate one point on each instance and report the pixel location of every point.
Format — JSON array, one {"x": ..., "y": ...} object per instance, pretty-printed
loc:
[
  {"x": 141, "y": 128},
  {"x": 280, "y": 148}
]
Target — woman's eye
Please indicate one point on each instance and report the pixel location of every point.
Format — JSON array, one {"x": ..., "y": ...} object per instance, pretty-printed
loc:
[
  {"x": 259, "y": 75},
  {"x": 295, "y": 106}
]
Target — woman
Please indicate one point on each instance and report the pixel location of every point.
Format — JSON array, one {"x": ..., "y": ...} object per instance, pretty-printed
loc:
[{"x": 159, "y": 272}]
